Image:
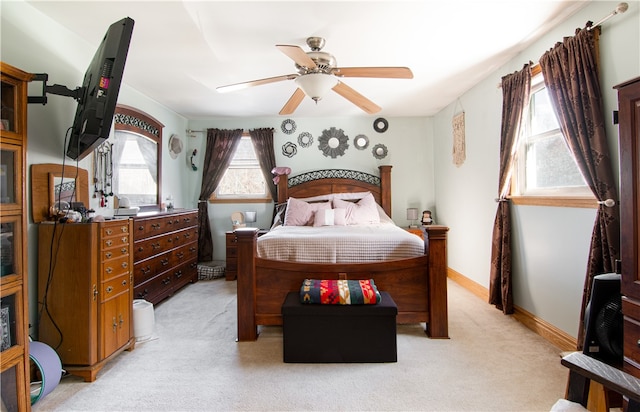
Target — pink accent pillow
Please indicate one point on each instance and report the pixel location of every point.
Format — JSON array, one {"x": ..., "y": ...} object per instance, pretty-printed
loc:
[
  {"x": 330, "y": 217},
  {"x": 300, "y": 213},
  {"x": 364, "y": 212}
]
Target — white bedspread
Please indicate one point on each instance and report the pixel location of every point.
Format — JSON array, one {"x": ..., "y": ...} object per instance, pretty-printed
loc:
[{"x": 339, "y": 244}]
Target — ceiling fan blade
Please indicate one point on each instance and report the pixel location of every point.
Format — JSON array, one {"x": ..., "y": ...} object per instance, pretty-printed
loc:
[
  {"x": 293, "y": 102},
  {"x": 356, "y": 98},
  {"x": 298, "y": 55},
  {"x": 259, "y": 82},
  {"x": 378, "y": 72}
]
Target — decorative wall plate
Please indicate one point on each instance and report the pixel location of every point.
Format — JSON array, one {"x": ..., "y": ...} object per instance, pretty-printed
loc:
[
  {"x": 333, "y": 142},
  {"x": 289, "y": 149},
  {"x": 305, "y": 139},
  {"x": 361, "y": 142},
  {"x": 379, "y": 151},
  {"x": 380, "y": 125},
  {"x": 288, "y": 126}
]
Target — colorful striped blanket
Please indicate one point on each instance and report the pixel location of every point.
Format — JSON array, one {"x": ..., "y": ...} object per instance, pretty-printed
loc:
[{"x": 339, "y": 292}]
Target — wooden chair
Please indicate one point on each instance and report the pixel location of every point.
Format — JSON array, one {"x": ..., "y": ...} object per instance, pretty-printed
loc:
[{"x": 583, "y": 369}]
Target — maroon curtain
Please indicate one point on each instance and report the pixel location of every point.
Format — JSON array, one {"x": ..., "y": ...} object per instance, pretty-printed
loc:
[
  {"x": 515, "y": 96},
  {"x": 218, "y": 154},
  {"x": 570, "y": 73},
  {"x": 262, "y": 140}
]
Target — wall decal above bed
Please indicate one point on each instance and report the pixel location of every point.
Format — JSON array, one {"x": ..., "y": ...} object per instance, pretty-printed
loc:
[
  {"x": 288, "y": 126},
  {"x": 361, "y": 142},
  {"x": 333, "y": 142},
  {"x": 289, "y": 149},
  {"x": 379, "y": 151},
  {"x": 305, "y": 139}
]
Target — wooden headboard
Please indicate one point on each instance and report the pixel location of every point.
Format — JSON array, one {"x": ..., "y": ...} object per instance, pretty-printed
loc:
[{"x": 322, "y": 182}]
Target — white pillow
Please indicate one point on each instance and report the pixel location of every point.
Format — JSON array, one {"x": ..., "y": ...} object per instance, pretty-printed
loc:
[
  {"x": 330, "y": 217},
  {"x": 301, "y": 213},
  {"x": 364, "y": 212}
]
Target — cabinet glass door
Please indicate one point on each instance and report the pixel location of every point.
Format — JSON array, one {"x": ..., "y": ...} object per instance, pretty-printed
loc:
[{"x": 10, "y": 177}]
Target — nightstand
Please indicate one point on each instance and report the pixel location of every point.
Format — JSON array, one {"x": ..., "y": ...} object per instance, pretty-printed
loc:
[
  {"x": 418, "y": 231},
  {"x": 231, "y": 267}
]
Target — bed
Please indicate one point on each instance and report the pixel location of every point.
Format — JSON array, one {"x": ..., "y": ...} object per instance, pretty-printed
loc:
[{"x": 418, "y": 284}]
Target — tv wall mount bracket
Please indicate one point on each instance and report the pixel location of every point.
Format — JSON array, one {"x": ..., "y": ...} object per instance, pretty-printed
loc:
[{"x": 58, "y": 89}]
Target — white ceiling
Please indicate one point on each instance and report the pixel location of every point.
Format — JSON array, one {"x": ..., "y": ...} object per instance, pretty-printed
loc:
[{"x": 182, "y": 50}]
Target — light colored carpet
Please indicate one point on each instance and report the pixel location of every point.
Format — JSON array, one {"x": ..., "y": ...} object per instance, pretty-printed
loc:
[{"x": 491, "y": 363}]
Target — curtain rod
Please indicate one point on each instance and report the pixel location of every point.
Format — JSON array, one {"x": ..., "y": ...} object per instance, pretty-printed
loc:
[{"x": 621, "y": 8}]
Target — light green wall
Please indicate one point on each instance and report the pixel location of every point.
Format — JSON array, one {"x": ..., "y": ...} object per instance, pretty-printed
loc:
[{"x": 550, "y": 244}]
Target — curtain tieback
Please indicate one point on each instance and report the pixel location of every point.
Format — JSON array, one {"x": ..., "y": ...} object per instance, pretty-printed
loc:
[
  {"x": 501, "y": 199},
  {"x": 608, "y": 202}
]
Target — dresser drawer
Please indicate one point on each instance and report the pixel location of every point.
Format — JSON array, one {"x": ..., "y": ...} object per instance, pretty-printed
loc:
[
  {"x": 114, "y": 287},
  {"x": 115, "y": 267},
  {"x": 631, "y": 311},
  {"x": 115, "y": 252},
  {"x": 163, "y": 224},
  {"x": 114, "y": 229},
  {"x": 116, "y": 241}
]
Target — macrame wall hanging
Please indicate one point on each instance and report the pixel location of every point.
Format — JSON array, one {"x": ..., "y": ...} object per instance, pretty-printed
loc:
[{"x": 459, "y": 152}]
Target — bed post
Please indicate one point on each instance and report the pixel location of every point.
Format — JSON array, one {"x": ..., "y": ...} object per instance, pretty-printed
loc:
[
  {"x": 283, "y": 188},
  {"x": 246, "y": 283},
  {"x": 385, "y": 188},
  {"x": 438, "y": 323}
]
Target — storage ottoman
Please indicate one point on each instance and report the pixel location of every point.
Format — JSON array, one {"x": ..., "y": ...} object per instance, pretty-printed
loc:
[{"x": 316, "y": 333}]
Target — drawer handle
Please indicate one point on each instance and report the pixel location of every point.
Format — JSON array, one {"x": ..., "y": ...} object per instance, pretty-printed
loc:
[
  {"x": 155, "y": 226},
  {"x": 123, "y": 250},
  {"x": 109, "y": 242},
  {"x": 169, "y": 222},
  {"x": 179, "y": 274},
  {"x": 124, "y": 229},
  {"x": 124, "y": 265},
  {"x": 146, "y": 270},
  {"x": 192, "y": 249},
  {"x": 109, "y": 231},
  {"x": 108, "y": 270},
  {"x": 166, "y": 281},
  {"x": 187, "y": 235},
  {"x": 140, "y": 249},
  {"x": 124, "y": 282},
  {"x": 180, "y": 255},
  {"x": 109, "y": 289},
  {"x": 108, "y": 255},
  {"x": 164, "y": 262},
  {"x": 141, "y": 228},
  {"x": 155, "y": 246},
  {"x": 638, "y": 343},
  {"x": 125, "y": 240}
]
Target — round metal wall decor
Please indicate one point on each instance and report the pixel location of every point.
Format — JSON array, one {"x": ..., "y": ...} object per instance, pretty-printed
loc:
[
  {"x": 288, "y": 126},
  {"x": 305, "y": 139},
  {"x": 361, "y": 142},
  {"x": 380, "y": 125},
  {"x": 289, "y": 149},
  {"x": 379, "y": 151},
  {"x": 333, "y": 142}
]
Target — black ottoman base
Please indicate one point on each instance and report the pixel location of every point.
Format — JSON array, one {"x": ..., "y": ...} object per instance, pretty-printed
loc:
[{"x": 314, "y": 333}]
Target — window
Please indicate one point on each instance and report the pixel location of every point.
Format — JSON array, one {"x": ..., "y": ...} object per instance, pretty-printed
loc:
[
  {"x": 243, "y": 180},
  {"x": 544, "y": 166}
]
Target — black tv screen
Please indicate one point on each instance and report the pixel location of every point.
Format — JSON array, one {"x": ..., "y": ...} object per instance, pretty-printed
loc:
[{"x": 99, "y": 92}]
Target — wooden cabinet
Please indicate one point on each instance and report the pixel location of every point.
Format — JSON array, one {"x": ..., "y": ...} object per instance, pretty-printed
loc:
[
  {"x": 231, "y": 265},
  {"x": 165, "y": 253},
  {"x": 14, "y": 312},
  {"x": 85, "y": 292},
  {"x": 629, "y": 135}
]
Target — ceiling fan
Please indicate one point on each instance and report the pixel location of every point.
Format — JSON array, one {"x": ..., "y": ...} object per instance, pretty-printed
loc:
[{"x": 318, "y": 72}]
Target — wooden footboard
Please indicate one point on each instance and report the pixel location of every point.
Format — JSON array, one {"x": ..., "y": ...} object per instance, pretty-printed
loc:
[{"x": 417, "y": 285}]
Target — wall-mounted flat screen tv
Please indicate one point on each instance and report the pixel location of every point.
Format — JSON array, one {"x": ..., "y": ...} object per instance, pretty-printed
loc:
[{"x": 99, "y": 91}]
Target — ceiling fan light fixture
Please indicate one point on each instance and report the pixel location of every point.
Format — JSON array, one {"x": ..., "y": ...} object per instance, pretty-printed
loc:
[{"x": 316, "y": 85}]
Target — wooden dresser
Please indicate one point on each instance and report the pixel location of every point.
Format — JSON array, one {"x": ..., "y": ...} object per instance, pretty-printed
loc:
[
  {"x": 165, "y": 253},
  {"x": 85, "y": 292},
  {"x": 14, "y": 306},
  {"x": 629, "y": 135}
]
